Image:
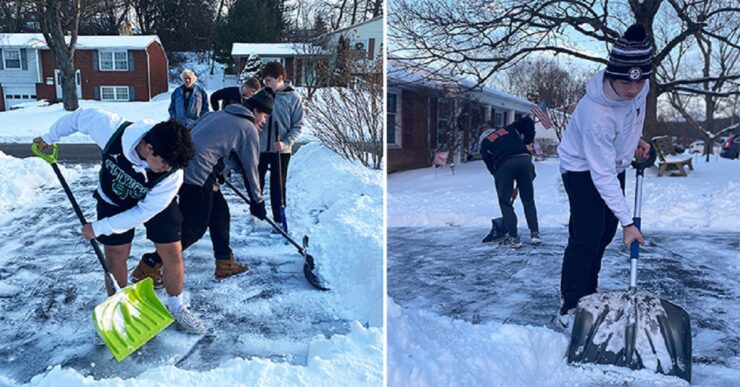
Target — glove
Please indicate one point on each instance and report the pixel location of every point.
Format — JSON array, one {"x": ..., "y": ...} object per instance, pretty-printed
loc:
[{"x": 258, "y": 210}]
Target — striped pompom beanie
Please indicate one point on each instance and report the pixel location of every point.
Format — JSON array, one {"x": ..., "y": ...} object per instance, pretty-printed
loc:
[{"x": 631, "y": 57}]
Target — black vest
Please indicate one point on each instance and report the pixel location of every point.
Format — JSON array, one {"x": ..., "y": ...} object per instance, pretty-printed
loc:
[{"x": 118, "y": 179}]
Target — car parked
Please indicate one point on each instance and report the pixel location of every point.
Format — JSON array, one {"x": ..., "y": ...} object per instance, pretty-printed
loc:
[{"x": 731, "y": 147}]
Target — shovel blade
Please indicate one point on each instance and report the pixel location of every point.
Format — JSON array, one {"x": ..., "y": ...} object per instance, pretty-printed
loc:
[
  {"x": 309, "y": 271},
  {"x": 130, "y": 318},
  {"x": 632, "y": 330}
]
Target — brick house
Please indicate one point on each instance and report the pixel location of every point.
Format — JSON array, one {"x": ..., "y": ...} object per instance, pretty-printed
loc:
[
  {"x": 428, "y": 113},
  {"x": 109, "y": 68}
]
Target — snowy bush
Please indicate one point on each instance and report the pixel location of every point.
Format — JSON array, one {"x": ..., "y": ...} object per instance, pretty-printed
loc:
[{"x": 349, "y": 120}]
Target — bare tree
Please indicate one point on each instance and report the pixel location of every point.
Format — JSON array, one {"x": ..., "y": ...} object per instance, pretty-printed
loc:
[
  {"x": 545, "y": 80},
  {"x": 480, "y": 38},
  {"x": 56, "y": 17},
  {"x": 349, "y": 120},
  {"x": 715, "y": 63}
]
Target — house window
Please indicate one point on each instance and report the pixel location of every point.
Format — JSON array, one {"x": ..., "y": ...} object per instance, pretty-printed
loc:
[
  {"x": 114, "y": 93},
  {"x": 393, "y": 118},
  {"x": 12, "y": 58},
  {"x": 267, "y": 59},
  {"x": 114, "y": 60}
]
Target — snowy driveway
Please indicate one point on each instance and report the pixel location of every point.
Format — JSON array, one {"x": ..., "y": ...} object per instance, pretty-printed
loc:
[
  {"x": 447, "y": 271},
  {"x": 50, "y": 281}
]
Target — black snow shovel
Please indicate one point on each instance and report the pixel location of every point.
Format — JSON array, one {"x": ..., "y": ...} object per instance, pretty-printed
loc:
[
  {"x": 309, "y": 265},
  {"x": 632, "y": 328},
  {"x": 134, "y": 314}
]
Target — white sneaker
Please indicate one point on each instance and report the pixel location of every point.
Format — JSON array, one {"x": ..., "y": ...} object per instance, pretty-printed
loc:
[
  {"x": 565, "y": 321},
  {"x": 535, "y": 239},
  {"x": 187, "y": 322}
]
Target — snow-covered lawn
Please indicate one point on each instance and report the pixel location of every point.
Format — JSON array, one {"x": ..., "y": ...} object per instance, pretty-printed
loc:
[{"x": 465, "y": 313}]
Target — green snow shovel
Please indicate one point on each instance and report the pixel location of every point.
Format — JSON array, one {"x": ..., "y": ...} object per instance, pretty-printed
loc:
[
  {"x": 632, "y": 329},
  {"x": 134, "y": 314}
]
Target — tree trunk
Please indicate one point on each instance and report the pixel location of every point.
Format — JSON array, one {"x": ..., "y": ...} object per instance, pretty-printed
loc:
[{"x": 51, "y": 25}]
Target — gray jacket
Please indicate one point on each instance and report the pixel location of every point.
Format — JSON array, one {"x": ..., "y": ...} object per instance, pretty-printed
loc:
[
  {"x": 285, "y": 122},
  {"x": 220, "y": 136}
]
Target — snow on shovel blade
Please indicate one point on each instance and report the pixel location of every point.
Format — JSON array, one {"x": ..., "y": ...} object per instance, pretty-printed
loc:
[
  {"x": 309, "y": 268},
  {"x": 130, "y": 318},
  {"x": 635, "y": 330}
]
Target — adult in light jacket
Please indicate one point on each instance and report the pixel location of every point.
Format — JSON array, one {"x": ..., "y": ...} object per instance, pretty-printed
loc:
[{"x": 189, "y": 102}]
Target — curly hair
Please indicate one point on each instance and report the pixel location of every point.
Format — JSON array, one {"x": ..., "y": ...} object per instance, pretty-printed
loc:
[
  {"x": 274, "y": 69},
  {"x": 171, "y": 141}
]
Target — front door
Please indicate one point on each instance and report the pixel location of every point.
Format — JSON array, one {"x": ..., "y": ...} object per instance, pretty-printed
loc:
[{"x": 58, "y": 83}]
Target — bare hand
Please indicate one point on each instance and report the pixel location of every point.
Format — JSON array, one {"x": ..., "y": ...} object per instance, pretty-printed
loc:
[
  {"x": 87, "y": 232},
  {"x": 543, "y": 117},
  {"x": 279, "y": 145},
  {"x": 631, "y": 234},
  {"x": 643, "y": 150},
  {"x": 41, "y": 143}
]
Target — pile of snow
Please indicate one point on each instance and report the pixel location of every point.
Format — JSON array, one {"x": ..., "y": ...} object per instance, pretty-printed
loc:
[
  {"x": 706, "y": 199},
  {"x": 23, "y": 181},
  {"x": 425, "y": 349},
  {"x": 345, "y": 200},
  {"x": 350, "y": 359}
]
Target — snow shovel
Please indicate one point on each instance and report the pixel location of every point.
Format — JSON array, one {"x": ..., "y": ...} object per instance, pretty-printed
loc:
[
  {"x": 133, "y": 315},
  {"x": 309, "y": 265},
  {"x": 633, "y": 329}
]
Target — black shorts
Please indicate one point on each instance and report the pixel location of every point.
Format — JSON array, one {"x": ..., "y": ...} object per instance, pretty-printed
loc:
[{"x": 165, "y": 227}]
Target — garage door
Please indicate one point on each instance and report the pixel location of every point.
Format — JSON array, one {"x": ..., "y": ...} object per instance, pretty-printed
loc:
[{"x": 18, "y": 95}]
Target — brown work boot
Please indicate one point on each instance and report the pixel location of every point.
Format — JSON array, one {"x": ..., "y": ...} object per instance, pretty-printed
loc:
[
  {"x": 228, "y": 267},
  {"x": 143, "y": 270}
]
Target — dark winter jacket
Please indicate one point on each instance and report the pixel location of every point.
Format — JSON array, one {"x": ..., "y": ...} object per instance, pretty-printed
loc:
[
  {"x": 197, "y": 105},
  {"x": 226, "y": 96},
  {"x": 499, "y": 145},
  {"x": 285, "y": 122},
  {"x": 227, "y": 136}
]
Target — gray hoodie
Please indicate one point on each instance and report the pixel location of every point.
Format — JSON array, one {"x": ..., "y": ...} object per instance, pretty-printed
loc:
[
  {"x": 223, "y": 135},
  {"x": 285, "y": 122}
]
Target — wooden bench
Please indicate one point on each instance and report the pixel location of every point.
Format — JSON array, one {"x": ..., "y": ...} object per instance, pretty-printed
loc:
[{"x": 669, "y": 160}]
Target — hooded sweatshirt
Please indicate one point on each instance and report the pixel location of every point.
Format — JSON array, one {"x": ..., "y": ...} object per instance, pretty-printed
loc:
[
  {"x": 601, "y": 138},
  {"x": 286, "y": 121},
  {"x": 226, "y": 137},
  {"x": 101, "y": 125}
]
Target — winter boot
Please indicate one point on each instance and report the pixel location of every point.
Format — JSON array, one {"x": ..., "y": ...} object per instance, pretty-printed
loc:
[
  {"x": 187, "y": 322},
  {"x": 498, "y": 232},
  {"x": 143, "y": 270},
  {"x": 535, "y": 238},
  {"x": 511, "y": 242},
  {"x": 228, "y": 267}
]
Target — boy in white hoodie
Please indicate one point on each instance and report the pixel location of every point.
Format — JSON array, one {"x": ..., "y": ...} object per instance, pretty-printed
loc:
[
  {"x": 602, "y": 137},
  {"x": 139, "y": 179}
]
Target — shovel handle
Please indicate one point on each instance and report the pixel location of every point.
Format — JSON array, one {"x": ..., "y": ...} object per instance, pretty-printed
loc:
[
  {"x": 635, "y": 246},
  {"x": 49, "y": 158},
  {"x": 52, "y": 160}
]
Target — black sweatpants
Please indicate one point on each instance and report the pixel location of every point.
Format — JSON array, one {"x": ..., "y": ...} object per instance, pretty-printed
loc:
[
  {"x": 270, "y": 160},
  {"x": 203, "y": 209},
  {"x": 591, "y": 228},
  {"x": 520, "y": 169}
]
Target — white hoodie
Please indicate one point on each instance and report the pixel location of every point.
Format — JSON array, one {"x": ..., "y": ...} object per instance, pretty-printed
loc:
[
  {"x": 100, "y": 125},
  {"x": 601, "y": 138}
]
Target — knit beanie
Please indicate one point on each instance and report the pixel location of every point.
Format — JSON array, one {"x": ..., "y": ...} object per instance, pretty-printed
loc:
[
  {"x": 262, "y": 100},
  {"x": 631, "y": 56}
]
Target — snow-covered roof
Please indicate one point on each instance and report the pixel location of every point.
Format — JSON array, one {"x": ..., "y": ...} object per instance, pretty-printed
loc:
[
  {"x": 402, "y": 73},
  {"x": 265, "y": 49},
  {"x": 37, "y": 41}
]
